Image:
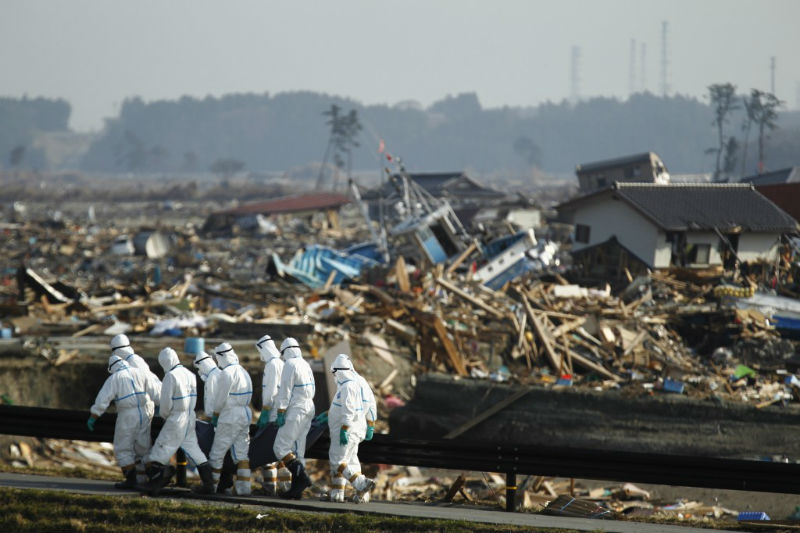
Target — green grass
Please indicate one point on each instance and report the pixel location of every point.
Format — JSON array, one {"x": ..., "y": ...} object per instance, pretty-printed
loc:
[{"x": 38, "y": 510}]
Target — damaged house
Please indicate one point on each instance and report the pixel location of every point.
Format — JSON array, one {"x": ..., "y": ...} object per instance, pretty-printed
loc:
[
  {"x": 640, "y": 168},
  {"x": 638, "y": 226},
  {"x": 255, "y": 216}
]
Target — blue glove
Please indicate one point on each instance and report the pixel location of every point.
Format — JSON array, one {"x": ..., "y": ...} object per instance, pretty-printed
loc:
[
  {"x": 370, "y": 432},
  {"x": 281, "y": 420},
  {"x": 263, "y": 418},
  {"x": 322, "y": 417},
  {"x": 214, "y": 420},
  {"x": 90, "y": 423},
  {"x": 342, "y": 436}
]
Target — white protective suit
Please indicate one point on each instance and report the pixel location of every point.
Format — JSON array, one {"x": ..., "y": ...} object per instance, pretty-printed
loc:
[
  {"x": 132, "y": 391},
  {"x": 178, "y": 399},
  {"x": 232, "y": 405},
  {"x": 270, "y": 384},
  {"x": 370, "y": 409},
  {"x": 296, "y": 399},
  {"x": 346, "y": 412},
  {"x": 121, "y": 346},
  {"x": 209, "y": 372}
]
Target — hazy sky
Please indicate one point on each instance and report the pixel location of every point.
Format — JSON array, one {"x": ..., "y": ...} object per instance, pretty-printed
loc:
[{"x": 95, "y": 53}]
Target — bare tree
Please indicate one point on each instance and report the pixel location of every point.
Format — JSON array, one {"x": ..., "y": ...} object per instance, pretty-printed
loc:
[
  {"x": 722, "y": 98},
  {"x": 766, "y": 117}
]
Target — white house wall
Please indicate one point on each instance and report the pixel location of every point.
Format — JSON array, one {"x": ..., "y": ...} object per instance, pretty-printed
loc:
[
  {"x": 663, "y": 254},
  {"x": 711, "y": 238},
  {"x": 608, "y": 218},
  {"x": 758, "y": 246}
]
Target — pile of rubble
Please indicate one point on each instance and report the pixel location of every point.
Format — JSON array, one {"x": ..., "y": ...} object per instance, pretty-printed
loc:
[{"x": 62, "y": 283}]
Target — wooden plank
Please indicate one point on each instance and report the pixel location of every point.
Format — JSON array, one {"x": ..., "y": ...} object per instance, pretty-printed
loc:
[
  {"x": 460, "y": 259},
  {"x": 544, "y": 336},
  {"x": 329, "y": 281},
  {"x": 474, "y": 301},
  {"x": 456, "y": 361},
  {"x": 402, "y": 275},
  {"x": 566, "y": 327},
  {"x": 496, "y": 408},
  {"x": 454, "y": 488}
]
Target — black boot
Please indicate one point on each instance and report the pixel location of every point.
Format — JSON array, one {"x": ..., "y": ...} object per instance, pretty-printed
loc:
[
  {"x": 207, "y": 478},
  {"x": 300, "y": 481},
  {"x": 158, "y": 477},
  {"x": 225, "y": 481},
  {"x": 130, "y": 479}
]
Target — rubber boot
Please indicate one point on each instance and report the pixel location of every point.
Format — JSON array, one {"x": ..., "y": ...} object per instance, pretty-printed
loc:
[
  {"x": 207, "y": 478},
  {"x": 130, "y": 479},
  {"x": 159, "y": 476},
  {"x": 225, "y": 483},
  {"x": 300, "y": 481}
]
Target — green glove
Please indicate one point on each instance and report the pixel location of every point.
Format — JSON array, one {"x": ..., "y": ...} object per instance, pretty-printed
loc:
[
  {"x": 342, "y": 436},
  {"x": 281, "y": 419},
  {"x": 263, "y": 418},
  {"x": 158, "y": 408},
  {"x": 90, "y": 423},
  {"x": 370, "y": 432},
  {"x": 322, "y": 417},
  {"x": 214, "y": 420}
]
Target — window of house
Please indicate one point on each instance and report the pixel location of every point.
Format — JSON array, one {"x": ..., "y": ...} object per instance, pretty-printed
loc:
[
  {"x": 582, "y": 233},
  {"x": 699, "y": 254}
]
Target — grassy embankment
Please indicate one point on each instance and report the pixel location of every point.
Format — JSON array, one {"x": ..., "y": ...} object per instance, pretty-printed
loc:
[{"x": 37, "y": 510}]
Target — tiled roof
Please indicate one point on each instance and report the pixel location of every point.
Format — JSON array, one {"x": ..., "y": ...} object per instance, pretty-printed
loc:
[
  {"x": 699, "y": 206},
  {"x": 291, "y": 204},
  {"x": 784, "y": 175}
]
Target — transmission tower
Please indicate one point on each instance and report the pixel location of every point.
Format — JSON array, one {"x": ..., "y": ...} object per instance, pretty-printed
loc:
[
  {"x": 642, "y": 69},
  {"x": 632, "y": 69}
]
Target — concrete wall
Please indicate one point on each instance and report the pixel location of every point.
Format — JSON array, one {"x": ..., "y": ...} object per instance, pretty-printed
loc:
[
  {"x": 608, "y": 218},
  {"x": 581, "y": 418}
]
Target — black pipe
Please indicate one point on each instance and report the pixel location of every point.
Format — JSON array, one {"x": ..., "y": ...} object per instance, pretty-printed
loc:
[{"x": 609, "y": 465}]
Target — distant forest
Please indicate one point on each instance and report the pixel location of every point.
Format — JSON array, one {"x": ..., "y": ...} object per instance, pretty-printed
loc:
[{"x": 262, "y": 132}]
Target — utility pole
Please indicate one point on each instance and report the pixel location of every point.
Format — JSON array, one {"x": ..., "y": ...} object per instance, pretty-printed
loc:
[
  {"x": 575, "y": 75},
  {"x": 664, "y": 59},
  {"x": 642, "y": 68},
  {"x": 632, "y": 69},
  {"x": 772, "y": 74}
]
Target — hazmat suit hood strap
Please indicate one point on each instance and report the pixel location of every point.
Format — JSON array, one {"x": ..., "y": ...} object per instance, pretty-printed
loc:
[
  {"x": 121, "y": 346},
  {"x": 168, "y": 359},
  {"x": 115, "y": 364},
  {"x": 343, "y": 376},
  {"x": 204, "y": 364},
  {"x": 266, "y": 348},
  {"x": 226, "y": 356},
  {"x": 290, "y": 348}
]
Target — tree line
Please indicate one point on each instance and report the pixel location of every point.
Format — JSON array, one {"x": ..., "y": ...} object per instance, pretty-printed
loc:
[{"x": 285, "y": 131}]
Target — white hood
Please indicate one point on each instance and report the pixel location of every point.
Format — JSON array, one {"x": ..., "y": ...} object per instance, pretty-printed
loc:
[
  {"x": 168, "y": 359},
  {"x": 290, "y": 348},
  {"x": 226, "y": 356},
  {"x": 204, "y": 364},
  {"x": 266, "y": 348},
  {"x": 121, "y": 346}
]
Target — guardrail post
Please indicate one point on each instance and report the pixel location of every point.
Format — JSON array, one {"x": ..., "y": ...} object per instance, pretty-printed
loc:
[
  {"x": 511, "y": 492},
  {"x": 180, "y": 460}
]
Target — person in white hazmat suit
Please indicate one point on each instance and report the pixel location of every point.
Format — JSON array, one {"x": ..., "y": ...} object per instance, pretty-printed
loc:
[
  {"x": 295, "y": 403},
  {"x": 270, "y": 385},
  {"x": 178, "y": 400},
  {"x": 209, "y": 372},
  {"x": 121, "y": 346},
  {"x": 348, "y": 428},
  {"x": 370, "y": 410},
  {"x": 232, "y": 417},
  {"x": 134, "y": 392}
]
